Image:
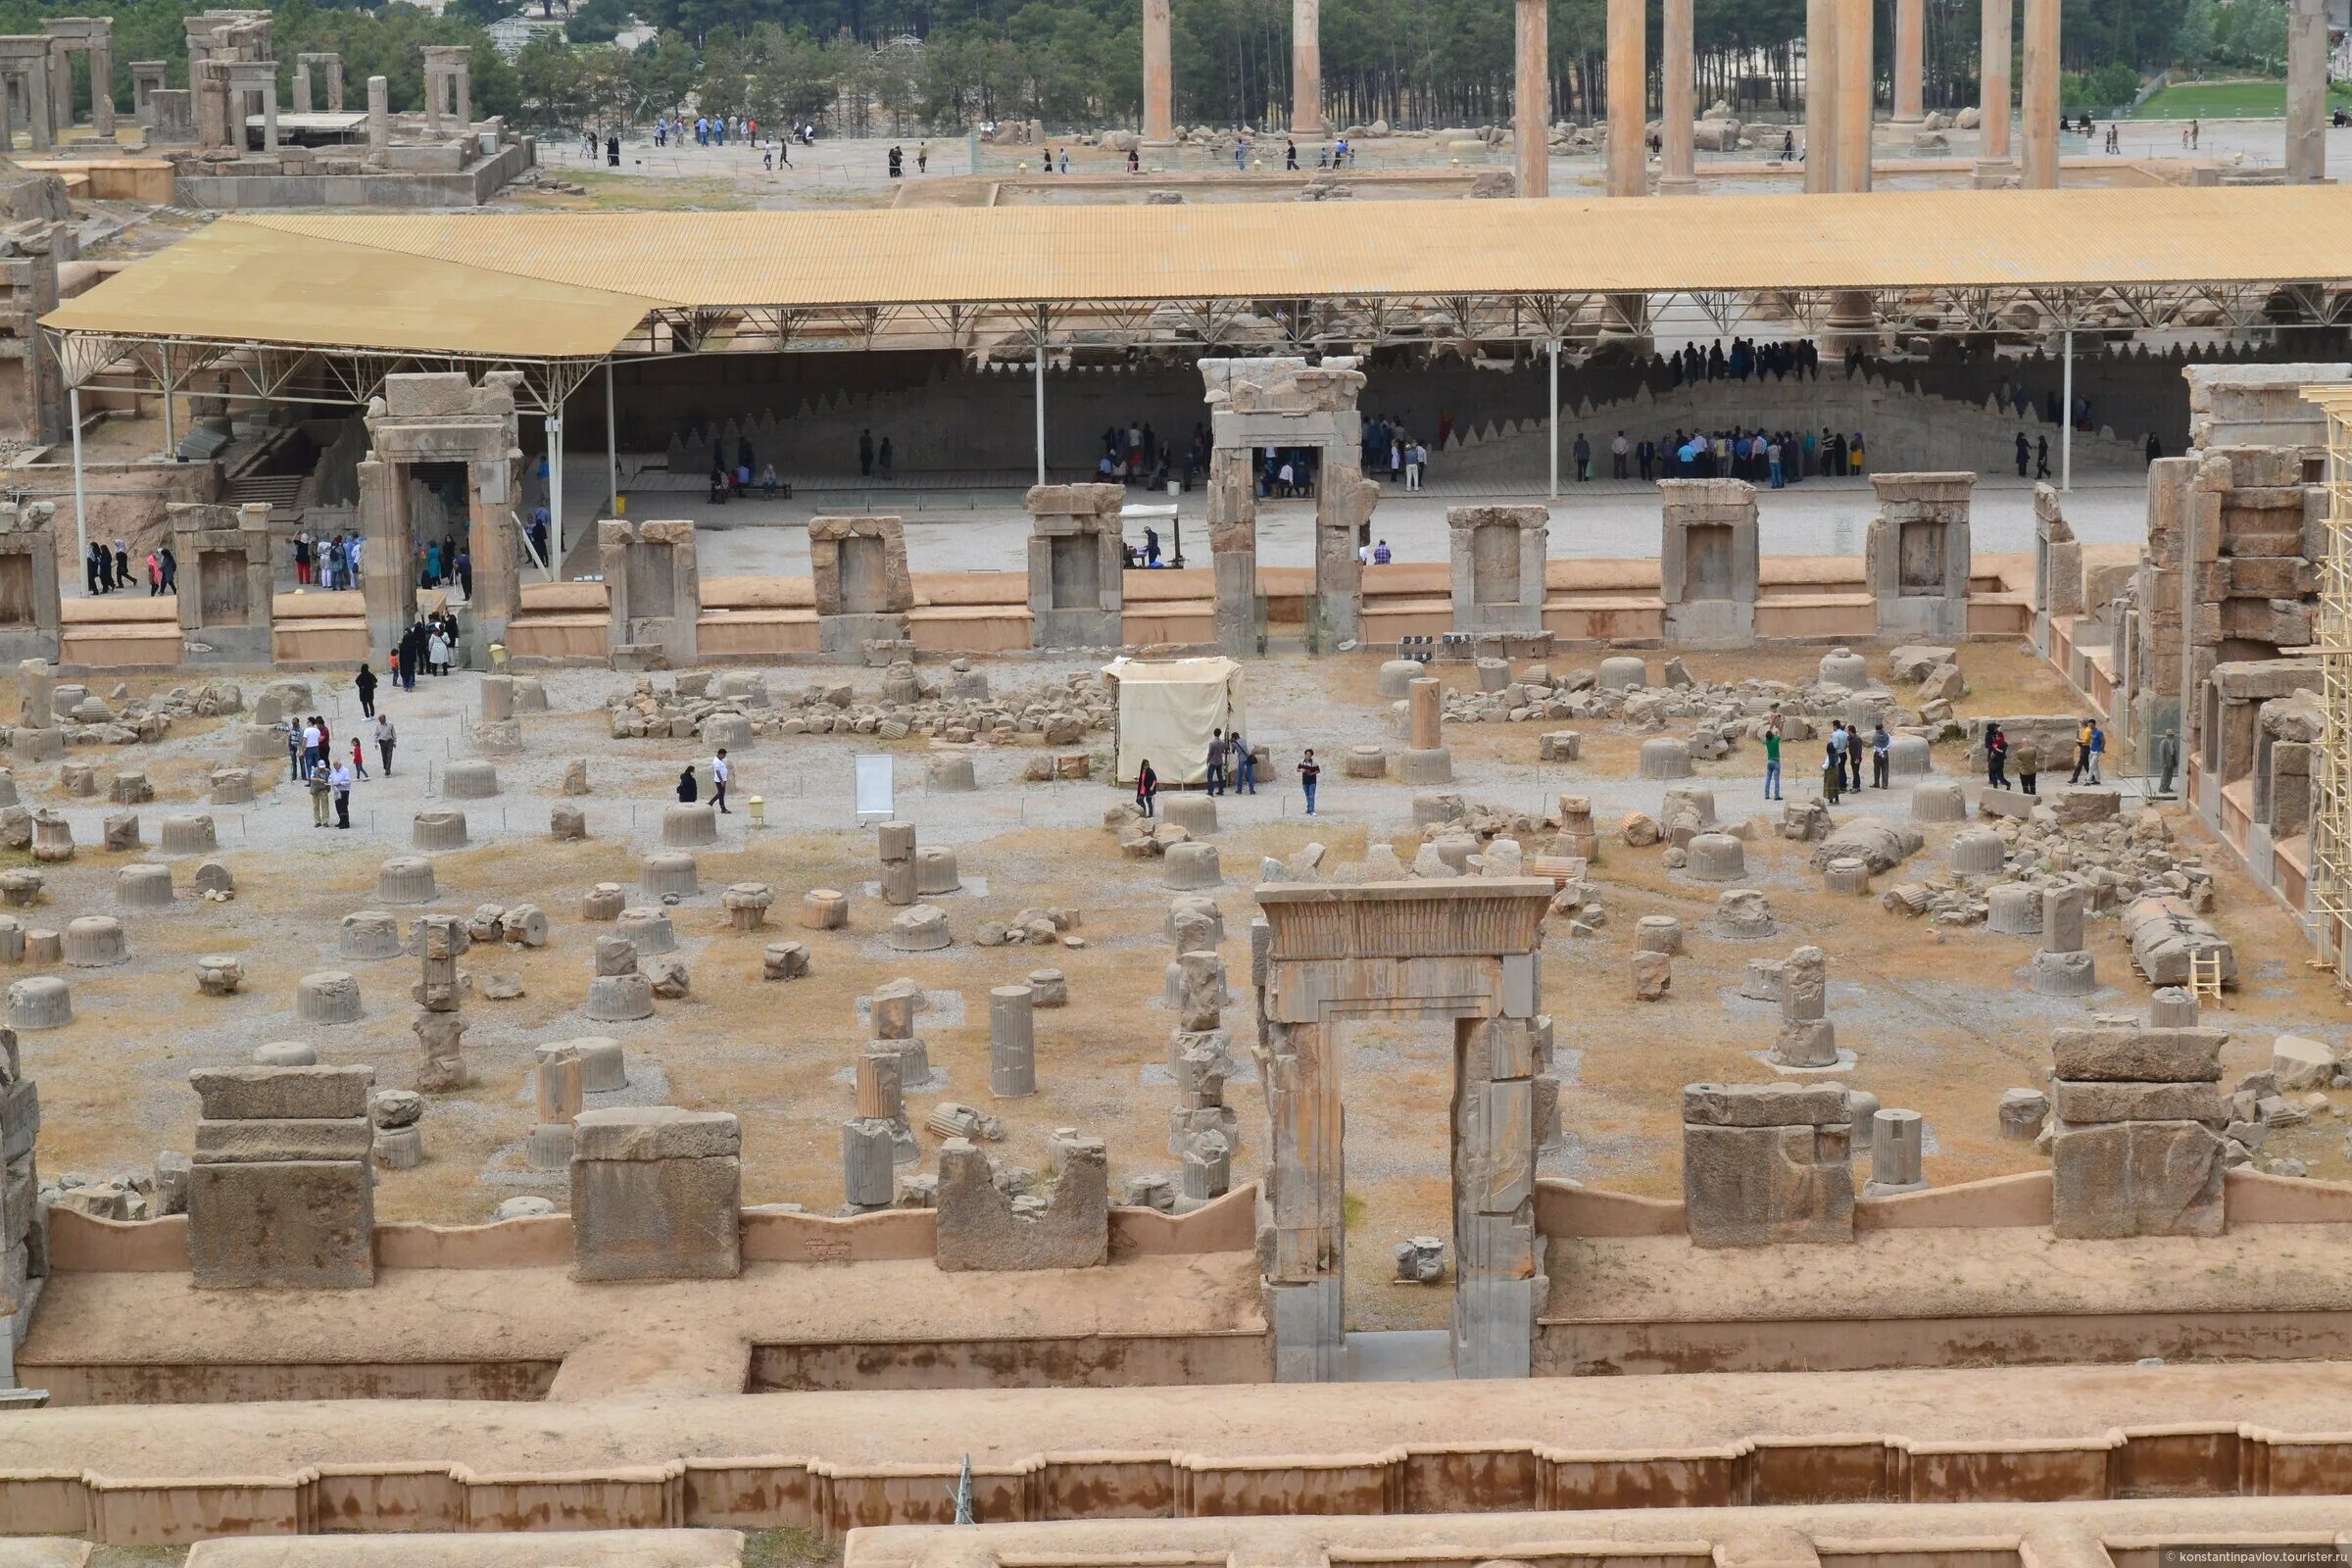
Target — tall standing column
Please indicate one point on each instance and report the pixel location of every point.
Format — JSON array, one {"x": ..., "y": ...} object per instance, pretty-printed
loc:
[
  {"x": 1680, "y": 175},
  {"x": 1628, "y": 88},
  {"x": 1995, "y": 165},
  {"x": 2038, "y": 170},
  {"x": 102, "y": 83},
  {"x": 1530, "y": 96},
  {"x": 1159, "y": 76},
  {"x": 1910, "y": 63},
  {"x": 1306, "y": 68},
  {"x": 1857, "y": 83},
  {"x": 1821, "y": 96},
  {"x": 2306, "y": 92}
]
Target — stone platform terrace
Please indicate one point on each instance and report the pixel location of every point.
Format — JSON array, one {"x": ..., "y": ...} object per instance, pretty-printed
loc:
[
  {"x": 832, "y": 1462},
  {"x": 1942, "y": 1297},
  {"x": 2076, "y": 1534},
  {"x": 524, "y": 1333}
]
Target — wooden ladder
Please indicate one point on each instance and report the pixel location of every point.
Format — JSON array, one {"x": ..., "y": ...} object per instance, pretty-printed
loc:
[{"x": 2205, "y": 974}]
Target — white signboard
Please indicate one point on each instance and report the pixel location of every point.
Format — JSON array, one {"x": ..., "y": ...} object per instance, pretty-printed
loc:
[{"x": 874, "y": 785}]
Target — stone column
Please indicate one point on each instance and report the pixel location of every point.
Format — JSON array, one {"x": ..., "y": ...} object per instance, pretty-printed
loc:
[
  {"x": 379, "y": 116},
  {"x": 1807, "y": 1038},
  {"x": 1821, "y": 96},
  {"x": 2306, "y": 92},
  {"x": 1530, "y": 96},
  {"x": 1427, "y": 761},
  {"x": 1856, "y": 97},
  {"x": 461, "y": 84},
  {"x": 894, "y": 843},
  {"x": 1306, "y": 68},
  {"x": 302, "y": 84},
  {"x": 1233, "y": 549},
  {"x": 335, "y": 84},
  {"x": 1680, "y": 175},
  {"x": 1159, "y": 76},
  {"x": 269, "y": 119},
  {"x": 37, "y": 112},
  {"x": 1910, "y": 63},
  {"x": 1628, "y": 89},
  {"x": 1995, "y": 168},
  {"x": 102, "y": 83},
  {"x": 432, "y": 98},
  {"x": 2038, "y": 170},
  {"x": 1011, "y": 1041}
]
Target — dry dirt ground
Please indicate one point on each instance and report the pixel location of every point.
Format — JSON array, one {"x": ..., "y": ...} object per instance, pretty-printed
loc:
[{"x": 1941, "y": 1022}]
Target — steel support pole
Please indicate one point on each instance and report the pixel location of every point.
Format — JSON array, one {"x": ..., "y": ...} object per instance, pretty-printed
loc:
[
  {"x": 1553, "y": 419},
  {"x": 2066, "y": 423},
  {"x": 612, "y": 451},
  {"x": 82, "y": 502},
  {"x": 555, "y": 495},
  {"x": 1040, "y": 397}
]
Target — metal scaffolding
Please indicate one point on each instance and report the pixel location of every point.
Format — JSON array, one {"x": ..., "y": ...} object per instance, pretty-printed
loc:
[{"x": 2329, "y": 900}]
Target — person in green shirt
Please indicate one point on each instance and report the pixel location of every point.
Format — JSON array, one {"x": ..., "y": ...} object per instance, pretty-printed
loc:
[{"x": 1772, "y": 756}]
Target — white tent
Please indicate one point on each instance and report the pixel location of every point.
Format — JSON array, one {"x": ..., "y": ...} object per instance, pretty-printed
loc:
[{"x": 1168, "y": 707}]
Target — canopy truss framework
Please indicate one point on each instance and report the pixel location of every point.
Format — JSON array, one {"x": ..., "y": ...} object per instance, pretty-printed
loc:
[{"x": 261, "y": 371}]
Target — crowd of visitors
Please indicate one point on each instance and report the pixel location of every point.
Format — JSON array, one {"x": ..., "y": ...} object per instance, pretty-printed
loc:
[
  {"x": 105, "y": 571},
  {"x": 330, "y": 564}
]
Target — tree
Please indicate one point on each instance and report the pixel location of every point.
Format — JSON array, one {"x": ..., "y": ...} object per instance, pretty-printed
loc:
[{"x": 598, "y": 21}]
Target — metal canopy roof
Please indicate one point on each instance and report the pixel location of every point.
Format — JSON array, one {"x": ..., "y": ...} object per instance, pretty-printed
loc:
[{"x": 546, "y": 286}]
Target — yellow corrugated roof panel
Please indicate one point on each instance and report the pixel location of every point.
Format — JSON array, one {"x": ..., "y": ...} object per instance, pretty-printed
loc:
[
  {"x": 242, "y": 282},
  {"x": 494, "y": 282}
]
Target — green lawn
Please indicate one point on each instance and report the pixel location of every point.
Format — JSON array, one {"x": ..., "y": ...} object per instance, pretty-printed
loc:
[{"x": 2228, "y": 100}]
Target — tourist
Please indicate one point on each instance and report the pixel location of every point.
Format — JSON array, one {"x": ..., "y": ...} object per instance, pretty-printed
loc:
[
  {"x": 2082, "y": 751},
  {"x": 611, "y": 151},
  {"x": 171, "y": 562},
  {"x": 922, "y": 158},
  {"x": 321, "y": 790},
  {"x": 866, "y": 454},
  {"x": 1996, "y": 758},
  {"x": 1414, "y": 457},
  {"x": 155, "y": 575},
  {"x": 1066, "y": 159},
  {"x": 311, "y": 749},
  {"x": 1583, "y": 451},
  {"x": 302, "y": 558},
  {"x": 1833, "y": 768},
  {"x": 1241, "y": 159},
  {"x": 93, "y": 570},
  {"x": 688, "y": 791},
  {"x": 293, "y": 733},
  {"x": 1771, "y": 456},
  {"x": 2024, "y": 454},
  {"x": 385, "y": 739},
  {"x": 339, "y": 780},
  {"x": 1216, "y": 763},
  {"x": 1309, "y": 771},
  {"x": 1380, "y": 554},
  {"x": 2155, "y": 447},
  {"x": 365, "y": 683},
  {"x": 882, "y": 458},
  {"x": 1772, "y": 755},
  {"x": 1879, "y": 745},
  {"x": 2098, "y": 750},
  {"x": 1619, "y": 450},
  {"x": 2042, "y": 458},
  {"x": 465, "y": 571},
  {"x": 2028, "y": 758},
  {"x": 433, "y": 565},
  {"x": 721, "y": 770},
  {"x": 437, "y": 652},
  {"x": 1244, "y": 766},
  {"x": 1855, "y": 453},
  {"x": 1146, "y": 786},
  {"x": 1646, "y": 457}
]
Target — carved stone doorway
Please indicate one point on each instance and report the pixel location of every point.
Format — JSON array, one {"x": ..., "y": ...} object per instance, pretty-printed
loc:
[{"x": 1466, "y": 951}]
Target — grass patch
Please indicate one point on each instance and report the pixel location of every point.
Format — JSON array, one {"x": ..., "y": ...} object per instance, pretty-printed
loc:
[
  {"x": 2226, "y": 100},
  {"x": 788, "y": 1548}
]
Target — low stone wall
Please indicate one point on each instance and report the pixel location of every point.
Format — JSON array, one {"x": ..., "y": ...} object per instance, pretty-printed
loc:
[
  {"x": 470, "y": 188},
  {"x": 809, "y": 1493}
]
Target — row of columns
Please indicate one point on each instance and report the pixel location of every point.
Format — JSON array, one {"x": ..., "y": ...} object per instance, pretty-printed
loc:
[{"x": 1839, "y": 95}]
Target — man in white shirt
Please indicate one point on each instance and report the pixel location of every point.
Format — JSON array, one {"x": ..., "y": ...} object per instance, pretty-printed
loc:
[
  {"x": 720, "y": 772},
  {"x": 1363, "y": 553},
  {"x": 339, "y": 780},
  {"x": 311, "y": 744}
]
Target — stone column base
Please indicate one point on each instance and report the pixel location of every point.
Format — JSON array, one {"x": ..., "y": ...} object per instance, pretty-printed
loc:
[
  {"x": 1853, "y": 323},
  {"x": 1996, "y": 174},
  {"x": 2064, "y": 974},
  {"x": 1678, "y": 185},
  {"x": 1432, "y": 766}
]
